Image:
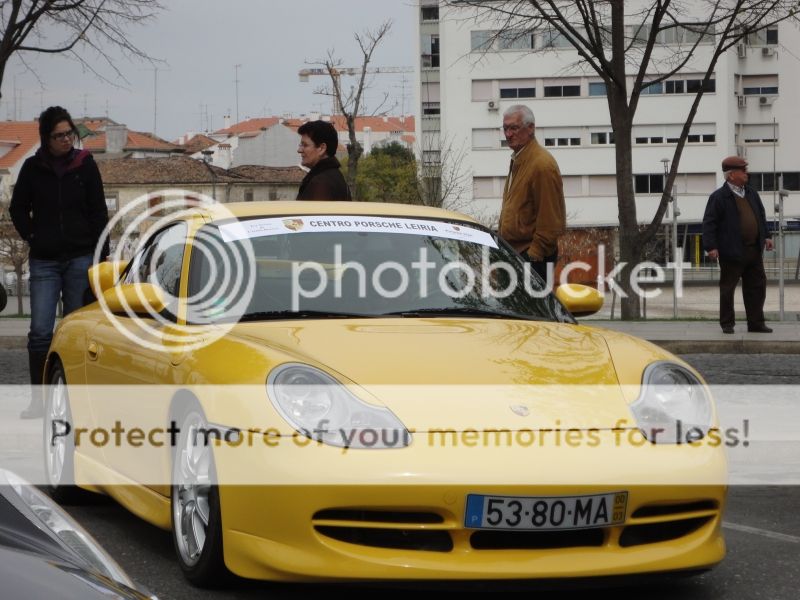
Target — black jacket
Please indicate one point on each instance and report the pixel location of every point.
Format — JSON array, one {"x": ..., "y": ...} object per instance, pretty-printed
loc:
[
  {"x": 60, "y": 217},
  {"x": 324, "y": 182},
  {"x": 721, "y": 224}
]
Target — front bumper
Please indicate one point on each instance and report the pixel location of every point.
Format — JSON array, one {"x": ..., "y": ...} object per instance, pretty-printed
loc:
[{"x": 399, "y": 514}]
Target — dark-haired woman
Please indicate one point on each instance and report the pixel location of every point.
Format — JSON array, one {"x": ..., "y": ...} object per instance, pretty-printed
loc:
[{"x": 58, "y": 207}]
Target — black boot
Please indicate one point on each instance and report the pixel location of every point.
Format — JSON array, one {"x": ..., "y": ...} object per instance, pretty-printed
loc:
[{"x": 35, "y": 409}]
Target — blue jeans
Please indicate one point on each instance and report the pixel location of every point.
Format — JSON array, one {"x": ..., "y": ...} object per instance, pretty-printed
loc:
[{"x": 52, "y": 280}]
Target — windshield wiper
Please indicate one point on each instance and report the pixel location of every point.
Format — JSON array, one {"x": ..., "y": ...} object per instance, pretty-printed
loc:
[
  {"x": 461, "y": 311},
  {"x": 266, "y": 315}
]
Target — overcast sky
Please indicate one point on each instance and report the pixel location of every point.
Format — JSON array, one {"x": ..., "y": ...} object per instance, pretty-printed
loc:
[{"x": 200, "y": 42}]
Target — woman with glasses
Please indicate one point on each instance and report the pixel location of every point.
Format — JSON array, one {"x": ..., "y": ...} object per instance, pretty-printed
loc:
[{"x": 58, "y": 207}]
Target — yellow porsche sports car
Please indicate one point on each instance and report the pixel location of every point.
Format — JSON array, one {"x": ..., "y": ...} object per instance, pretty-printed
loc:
[{"x": 356, "y": 391}]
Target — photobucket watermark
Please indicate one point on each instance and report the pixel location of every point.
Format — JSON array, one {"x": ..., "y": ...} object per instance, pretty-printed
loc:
[{"x": 473, "y": 277}]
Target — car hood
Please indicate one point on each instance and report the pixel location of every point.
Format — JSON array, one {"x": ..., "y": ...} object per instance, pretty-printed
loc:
[{"x": 463, "y": 373}]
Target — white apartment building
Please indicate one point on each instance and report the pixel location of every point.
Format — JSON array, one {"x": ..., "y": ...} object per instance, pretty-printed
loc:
[{"x": 467, "y": 79}]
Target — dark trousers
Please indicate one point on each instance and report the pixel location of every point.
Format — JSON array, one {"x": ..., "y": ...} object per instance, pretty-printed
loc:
[
  {"x": 540, "y": 266},
  {"x": 52, "y": 280},
  {"x": 754, "y": 287}
]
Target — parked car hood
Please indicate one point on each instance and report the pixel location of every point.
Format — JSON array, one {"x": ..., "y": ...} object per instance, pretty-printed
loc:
[{"x": 463, "y": 373}]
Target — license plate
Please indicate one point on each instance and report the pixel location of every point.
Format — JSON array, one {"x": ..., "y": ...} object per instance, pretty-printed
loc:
[{"x": 545, "y": 512}]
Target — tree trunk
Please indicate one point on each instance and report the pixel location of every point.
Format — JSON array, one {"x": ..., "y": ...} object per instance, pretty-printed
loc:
[
  {"x": 354, "y": 152},
  {"x": 20, "y": 308},
  {"x": 622, "y": 123}
]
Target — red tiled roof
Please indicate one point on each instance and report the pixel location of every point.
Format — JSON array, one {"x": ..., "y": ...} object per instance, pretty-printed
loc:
[
  {"x": 95, "y": 123},
  {"x": 25, "y": 137},
  {"x": 136, "y": 141},
  {"x": 405, "y": 124},
  {"x": 198, "y": 143},
  {"x": 250, "y": 125}
]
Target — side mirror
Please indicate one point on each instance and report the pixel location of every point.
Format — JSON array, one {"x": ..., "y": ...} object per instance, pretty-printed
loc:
[
  {"x": 104, "y": 275},
  {"x": 580, "y": 300},
  {"x": 135, "y": 298}
]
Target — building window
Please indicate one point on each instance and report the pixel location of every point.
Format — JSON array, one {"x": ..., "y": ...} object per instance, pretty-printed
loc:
[
  {"x": 652, "y": 88},
  {"x": 686, "y": 34},
  {"x": 431, "y": 108},
  {"x": 431, "y": 157},
  {"x": 602, "y": 137},
  {"x": 675, "y": 86},
  {"x": 598, "y": 88},
  {"x": 670, "y": 133},
  {"x": 759, "y": 85},
  {"x": 430, "y": 13},
  {"x": 526, "y": 92},
  {"x": 430, "y": 51},
  {"x": 760, "y": 91},
  {"x": 481, "y": 40},
  {"x": 764, "y": 133},
  {"x": 693, "y": 85},
  {"x": 772, "y": 37},
  {"x": 112, "y": 200},
  {"x": 554, "y": 39},
  {"x": 557, "y": 91},
  {"x": 562, "y": 141},
  {"x": 248, "y": 195},
  {"x": 763, "y": 37},
  {"x": 648, "y": 184},
  {"x": 273, "y": 193},
  {"x": 486, "y": 138},
  {"x": 515, "y": 39},
  {"x": 765, "y": 182}
]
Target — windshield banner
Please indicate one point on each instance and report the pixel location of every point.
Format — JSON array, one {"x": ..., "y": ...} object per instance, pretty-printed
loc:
[{"x": 352, "y": 223}]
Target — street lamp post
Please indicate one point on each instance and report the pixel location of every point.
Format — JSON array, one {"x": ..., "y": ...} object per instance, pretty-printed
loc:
[
  {"x": 782, "y": 194},
  {"x": 677, "y": 260}
]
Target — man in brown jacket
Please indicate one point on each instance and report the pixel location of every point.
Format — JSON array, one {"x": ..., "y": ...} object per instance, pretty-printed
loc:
[{"x": 533, "y": 215}]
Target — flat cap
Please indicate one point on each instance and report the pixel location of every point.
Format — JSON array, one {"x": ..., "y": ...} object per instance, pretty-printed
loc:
[{"x": 733, "y": 162}]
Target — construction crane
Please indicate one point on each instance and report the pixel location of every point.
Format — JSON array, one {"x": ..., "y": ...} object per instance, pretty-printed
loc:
[{"x": 339, "y": 71}]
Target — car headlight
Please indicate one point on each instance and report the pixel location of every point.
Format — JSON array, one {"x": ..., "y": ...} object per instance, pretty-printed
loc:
[
  {"x": 673, "y": 406},
  {"x": 52, "y": 519},
  {"x": 322, "y": 409}
]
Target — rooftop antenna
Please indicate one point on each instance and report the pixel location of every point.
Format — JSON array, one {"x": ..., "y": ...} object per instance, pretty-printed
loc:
[
  {"x": 236, "y": 81},
  {"x": 155, "y": 95}
]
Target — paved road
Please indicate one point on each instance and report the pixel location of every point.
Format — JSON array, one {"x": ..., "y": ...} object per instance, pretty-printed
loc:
[{"x": 762, "y": 524}]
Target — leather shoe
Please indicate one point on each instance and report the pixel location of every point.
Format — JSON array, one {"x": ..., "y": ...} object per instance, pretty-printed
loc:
[
  {"x": 727, "y": 329},
  {"x": 760, "y": 329}
]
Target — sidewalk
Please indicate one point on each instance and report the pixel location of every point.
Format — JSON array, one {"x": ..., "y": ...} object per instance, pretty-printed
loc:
[{"x": 680, "y": 337}]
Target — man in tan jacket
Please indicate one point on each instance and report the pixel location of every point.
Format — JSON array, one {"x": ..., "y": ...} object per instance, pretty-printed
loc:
[{"x": 533, "y": 215}]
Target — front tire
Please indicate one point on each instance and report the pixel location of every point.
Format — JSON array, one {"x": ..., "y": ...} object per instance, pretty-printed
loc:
[
  {"x": 196, "y": 516},
  {"x": 59, "y": 440}
]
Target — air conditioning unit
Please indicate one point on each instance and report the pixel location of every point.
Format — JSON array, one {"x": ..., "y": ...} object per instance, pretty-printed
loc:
[
  {"x": 765, "y": 101},
  {"x": 493, "y": 104},
  {"x": 742, "y": 101},
  {"x": 741, "y": 51},
  {"x": 767, "y": 51}
]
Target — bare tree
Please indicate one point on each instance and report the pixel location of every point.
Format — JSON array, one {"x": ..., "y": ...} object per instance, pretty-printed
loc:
[
  {"x": 73, "y": 27},
  {"x": 350, "y": 104},
  {"x": 444, "y": 174},
  {"x": 13, "y": 251},
  {"x": 615, "y": 39}
]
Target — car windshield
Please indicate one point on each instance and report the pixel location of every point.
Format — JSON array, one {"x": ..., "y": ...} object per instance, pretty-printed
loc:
[{"x": 345, "y": 266}]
